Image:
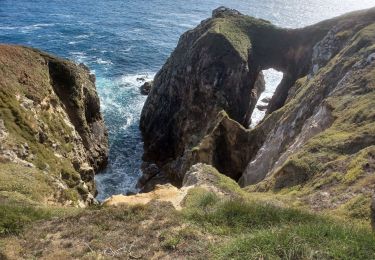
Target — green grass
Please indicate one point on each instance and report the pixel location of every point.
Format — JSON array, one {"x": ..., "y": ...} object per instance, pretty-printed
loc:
[
  {"x": 14, "y": 218},
  {"x": 319, "y": 240},
  {"x": 240, "y": 31},
  {"x": 30, "y": 182},
  {"x": 254, "y": 230},
  {"x": 237, "y": 215}
]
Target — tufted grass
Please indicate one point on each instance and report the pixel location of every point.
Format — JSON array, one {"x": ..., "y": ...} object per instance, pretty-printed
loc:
[{"x": 264, "y": 231}]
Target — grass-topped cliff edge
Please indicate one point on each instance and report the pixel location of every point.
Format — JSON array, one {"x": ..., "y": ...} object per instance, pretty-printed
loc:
[{"x": 307, "y": 170}]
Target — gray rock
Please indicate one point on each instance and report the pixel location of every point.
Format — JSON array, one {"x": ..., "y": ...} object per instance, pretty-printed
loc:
[
  {"x": 3, "y": 131},
  {"x": 146, "y": 88},
  {"x": 371, "y": 58},
  {"x": 223, "y": 11}
]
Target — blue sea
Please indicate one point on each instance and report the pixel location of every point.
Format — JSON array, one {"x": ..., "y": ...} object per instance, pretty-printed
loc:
[{"x": 122, "y": 41}]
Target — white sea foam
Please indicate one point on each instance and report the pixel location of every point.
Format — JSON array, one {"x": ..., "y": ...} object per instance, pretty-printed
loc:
[
  {"x": 78, "y": 56},
  {"x": 73, "y": 42},
  {"x": 128, "y": 49},
  {"x": 135, "y": 80},
  {"x": 62, "y": 15},
  {"x": 38, "y": 25},
  {"x": 33, "y": 27},
  {"x": 272, "y": 79},
  {"x": 83, "y": 36},
  {"x": 101, "y": 61},
  {"x": 8, "y": 28}
]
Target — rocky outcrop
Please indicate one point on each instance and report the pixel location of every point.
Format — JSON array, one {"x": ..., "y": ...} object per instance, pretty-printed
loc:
[
  {"x": 50, "y": 122},
  {"x": 198, "y": 176},
  {"x": 320, "y": 122},
  {"x": 217, "y": 66},
  {"x": 146, "y": 88}
]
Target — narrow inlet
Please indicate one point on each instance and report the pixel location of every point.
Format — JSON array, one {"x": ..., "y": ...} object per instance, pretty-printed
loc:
[{"x": 272, "y": 78}]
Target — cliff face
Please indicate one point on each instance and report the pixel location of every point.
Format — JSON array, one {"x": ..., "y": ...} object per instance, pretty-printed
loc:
[
  {"x": 51, "y": 130},
  {"x": 319, "y": 128}
]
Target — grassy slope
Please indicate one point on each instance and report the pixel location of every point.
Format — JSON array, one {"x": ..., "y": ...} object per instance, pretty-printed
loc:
[
  {"x": 17, "y": 82},
  {"x": 250, "y": 225},
  {"x": 210, "y": 226},
  {"x": 339, "y": 160}
]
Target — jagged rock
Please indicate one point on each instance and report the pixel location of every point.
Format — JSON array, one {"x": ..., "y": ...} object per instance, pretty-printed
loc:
[
  {"x": 262, "y": 107},
  {"x": 371, "y": 58},
  {"x": 208, "y": 177},
  {"x": 149, "y": 170},
  {"x": 199, "y": 175},
  {"x": 266, "y": 100},
  {"x": 52, "y": 104},
  {"x": 179, "y": 120},
  {"x": 223, "y": 11},
  {"x": 3, "y": 131},
  {"x": 146, "y": 88}
]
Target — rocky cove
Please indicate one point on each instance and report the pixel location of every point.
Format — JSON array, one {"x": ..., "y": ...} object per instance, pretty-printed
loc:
[{"x": 304, "y": 174}]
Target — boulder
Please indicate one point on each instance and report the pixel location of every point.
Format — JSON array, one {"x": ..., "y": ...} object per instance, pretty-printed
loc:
[
  {"x": 262, "y": 107},
  {"x": 146, "y": 88}
]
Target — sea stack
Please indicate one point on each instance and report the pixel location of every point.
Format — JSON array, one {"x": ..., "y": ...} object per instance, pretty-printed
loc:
[{"x": 203, "y": 97}]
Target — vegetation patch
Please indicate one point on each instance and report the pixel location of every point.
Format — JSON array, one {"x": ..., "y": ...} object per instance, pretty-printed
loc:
[{"x": 256, "y": 230}]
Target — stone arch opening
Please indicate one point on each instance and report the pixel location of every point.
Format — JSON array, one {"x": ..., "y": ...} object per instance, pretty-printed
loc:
[{"x": 272, "y": 79}]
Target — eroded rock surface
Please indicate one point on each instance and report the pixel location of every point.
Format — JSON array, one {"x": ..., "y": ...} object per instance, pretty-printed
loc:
[
  {"x": 318, "y": 134},
  {"x": 146, "y": 88},
  {"x": 50, "y": 121},
  {"x": 217, "y": 66},
  {"x": 198, "y": 176}
]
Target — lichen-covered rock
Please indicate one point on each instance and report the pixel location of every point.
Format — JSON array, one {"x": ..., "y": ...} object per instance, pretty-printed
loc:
[{"x": 50, "y": 121}]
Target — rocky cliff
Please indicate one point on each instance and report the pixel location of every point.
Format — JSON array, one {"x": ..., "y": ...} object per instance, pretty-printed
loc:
[
  {"x": 52, "y": 133},
  {"x": 318, "y": 134},
  {"x": 314, "y": 151}
]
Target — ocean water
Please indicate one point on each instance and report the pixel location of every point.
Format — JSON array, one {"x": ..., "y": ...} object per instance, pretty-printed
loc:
[{"x": 123, "y": 40}]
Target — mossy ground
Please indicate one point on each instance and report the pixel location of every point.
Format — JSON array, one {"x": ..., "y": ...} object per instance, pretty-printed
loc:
[{"x": 240, "y": 31}]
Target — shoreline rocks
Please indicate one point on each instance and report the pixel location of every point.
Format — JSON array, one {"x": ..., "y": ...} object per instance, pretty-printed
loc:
[{"x": 146, "y": 88}]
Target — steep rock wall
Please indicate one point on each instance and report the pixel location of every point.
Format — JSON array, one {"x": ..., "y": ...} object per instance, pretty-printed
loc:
[
  {"x": 51, "y": 129},
  {"x": 215, "y": 67}
]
